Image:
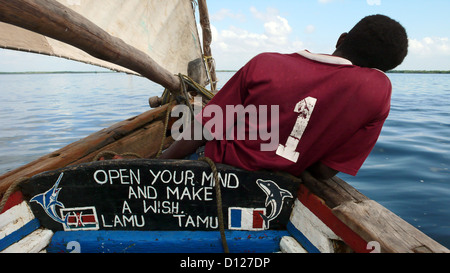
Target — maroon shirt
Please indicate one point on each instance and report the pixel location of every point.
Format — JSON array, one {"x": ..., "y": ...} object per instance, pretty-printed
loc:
[{"x": 329, "y": 111}]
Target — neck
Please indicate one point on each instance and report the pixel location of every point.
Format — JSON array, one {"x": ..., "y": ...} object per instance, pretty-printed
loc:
[{"x": 339, "y": 53}]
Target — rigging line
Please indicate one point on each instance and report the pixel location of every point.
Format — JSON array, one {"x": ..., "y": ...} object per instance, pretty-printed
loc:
[
  {"x": 219, "y": 202},
  {"x": 12, "y": 188}
]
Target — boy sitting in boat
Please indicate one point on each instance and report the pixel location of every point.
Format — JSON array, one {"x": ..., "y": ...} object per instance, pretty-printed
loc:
[{"x": 327, "y": 110}]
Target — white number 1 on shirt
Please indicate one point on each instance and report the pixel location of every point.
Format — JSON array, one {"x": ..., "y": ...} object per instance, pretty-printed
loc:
[{"x": 305, "y": 109}]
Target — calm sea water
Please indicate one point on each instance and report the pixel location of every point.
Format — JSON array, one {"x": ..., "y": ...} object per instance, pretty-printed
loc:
[{"x": 408, "y": 171}]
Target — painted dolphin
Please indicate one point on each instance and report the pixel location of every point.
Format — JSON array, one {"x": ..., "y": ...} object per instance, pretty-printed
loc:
[
  {"x": 49, "y": 202},
  {"x": 275, "y": 198}
]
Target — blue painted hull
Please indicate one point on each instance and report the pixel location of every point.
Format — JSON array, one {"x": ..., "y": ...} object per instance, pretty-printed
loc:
[{"x": 165, "y": 242}]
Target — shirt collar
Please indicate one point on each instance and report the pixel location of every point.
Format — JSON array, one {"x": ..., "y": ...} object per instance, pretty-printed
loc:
[{"x": 324, "y": 58}]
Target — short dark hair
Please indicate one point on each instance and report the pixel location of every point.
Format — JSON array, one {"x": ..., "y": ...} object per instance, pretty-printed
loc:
[{"x": 377, "y": 41}]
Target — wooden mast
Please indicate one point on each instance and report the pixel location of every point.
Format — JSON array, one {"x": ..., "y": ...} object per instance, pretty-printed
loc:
[
  {"x": 54, "y": 20},
  {"x": 207, "y": 39}
]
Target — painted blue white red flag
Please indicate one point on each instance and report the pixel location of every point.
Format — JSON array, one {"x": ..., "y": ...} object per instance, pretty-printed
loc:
[{"x": 246, "y": 219}]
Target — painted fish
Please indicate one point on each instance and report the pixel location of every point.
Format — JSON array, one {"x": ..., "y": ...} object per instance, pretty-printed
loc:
[
  {"x": 275, "y": 198},
  {"x": 49, "y": 202}
]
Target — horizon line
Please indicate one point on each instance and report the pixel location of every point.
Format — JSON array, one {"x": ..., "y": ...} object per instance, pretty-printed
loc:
[{"x": 412, "y": 71}]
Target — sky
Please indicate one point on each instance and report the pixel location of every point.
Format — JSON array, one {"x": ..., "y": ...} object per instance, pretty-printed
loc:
[{"x": 243, "y": 29}]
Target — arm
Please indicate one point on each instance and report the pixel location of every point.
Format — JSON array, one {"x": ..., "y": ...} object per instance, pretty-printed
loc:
[{"x": 183, "y": 148}]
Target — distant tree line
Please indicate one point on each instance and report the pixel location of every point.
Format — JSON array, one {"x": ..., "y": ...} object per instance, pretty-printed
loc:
[
  {"x": 420, "y": 71},
  {"x": 392, "y": 71}
]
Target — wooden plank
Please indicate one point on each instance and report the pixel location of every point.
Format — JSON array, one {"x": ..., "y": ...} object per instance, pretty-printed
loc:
[
  {"x": 84, "y": 149},
  {"x": 289, "y": 244},
  {"x": 166, "y": 241},
  {"x": 375, "y": 223},
  {"x": 54, "y": 20},
  {"x": 319, "y": 208},
  {"x": 15, "y": 224},
  {"x": 33, "y": 243},
  {"x": 333, "y": 191},
  {"x": 137, "y": 143},
  {"x": 14, "y": 218},
  {"x": 19, "y": 234},
  {"x": 302, "y": 239},
  {"x": 360, "y": 221},
  {"x": 313, "y": 229},
  {"x": 148, "y": 194}
]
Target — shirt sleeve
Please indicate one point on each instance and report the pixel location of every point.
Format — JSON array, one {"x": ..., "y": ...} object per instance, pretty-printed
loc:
[{"x": 350, "y": 156}]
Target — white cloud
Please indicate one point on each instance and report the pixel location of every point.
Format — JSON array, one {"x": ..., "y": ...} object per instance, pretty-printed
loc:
[
  {"x": 238, "y": 45},
  {"x": 222, "y": 14},
  {"x": 429, "y": 53},
  {"x": 265, "y": 16},
  {"x": 278, "y": 27},
  {"x": 310, "y": 29},
  {"x": 275, "y": 26},
  {"x": 374, "y": 2},
  {"x": 430, "y": 46}
]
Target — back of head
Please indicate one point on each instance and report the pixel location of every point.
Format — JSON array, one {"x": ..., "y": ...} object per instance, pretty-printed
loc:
[{"x": 376, "y": 41}]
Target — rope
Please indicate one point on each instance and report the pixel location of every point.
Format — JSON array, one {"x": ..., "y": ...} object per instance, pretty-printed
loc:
[
  {"x": 200, "y": 89},
  {"x": 168, "y": 98},
  {"x": 209, "y": 66},
  {"x": 219, "y": 202},
  {"x": 12, "y": 188},
  {"x": 185, "y": 94},
  {"x": 166, "y": 125}
]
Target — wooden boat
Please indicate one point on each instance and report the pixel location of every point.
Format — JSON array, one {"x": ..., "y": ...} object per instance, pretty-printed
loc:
[{"x": 69, "y": 201}]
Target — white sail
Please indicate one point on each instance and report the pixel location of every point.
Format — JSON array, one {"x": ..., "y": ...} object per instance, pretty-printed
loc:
[{"x": 165, "y": 30}]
